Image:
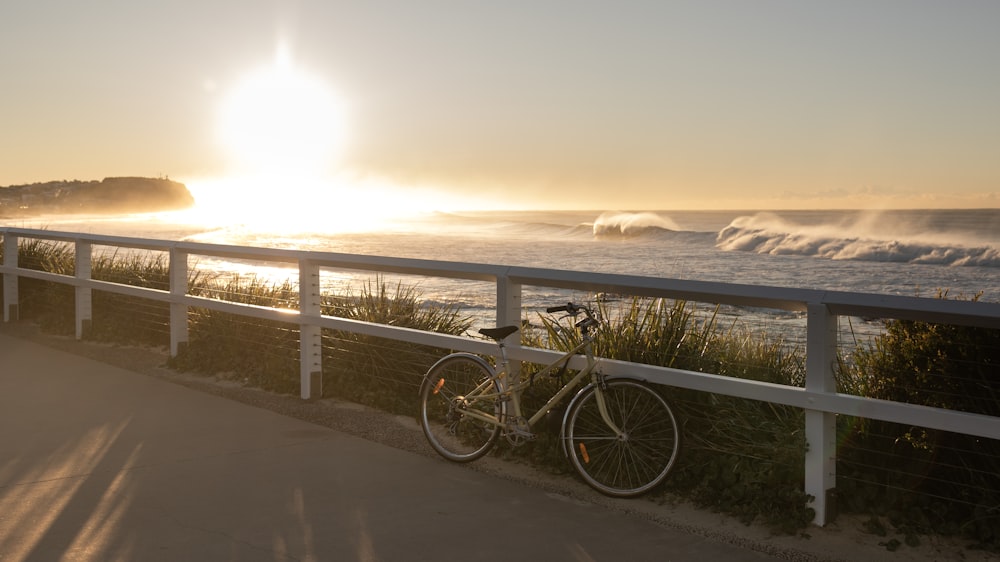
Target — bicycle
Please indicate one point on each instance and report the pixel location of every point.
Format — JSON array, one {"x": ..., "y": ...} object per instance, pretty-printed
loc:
[{"x": 619, "y": 434}]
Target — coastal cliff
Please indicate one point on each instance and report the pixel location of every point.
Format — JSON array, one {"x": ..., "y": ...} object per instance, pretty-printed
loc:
[{"x": 108, "y": 196}]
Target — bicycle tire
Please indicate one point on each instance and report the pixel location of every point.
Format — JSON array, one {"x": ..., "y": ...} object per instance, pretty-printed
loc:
[
  {"x": 638, "y": 461},
  {"x": 454, "y": 435}
]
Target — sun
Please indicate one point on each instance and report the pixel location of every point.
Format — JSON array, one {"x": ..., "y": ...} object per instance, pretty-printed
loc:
[
  {"x": 283, "y": 131},
  {"x": 281, "y": 122}
]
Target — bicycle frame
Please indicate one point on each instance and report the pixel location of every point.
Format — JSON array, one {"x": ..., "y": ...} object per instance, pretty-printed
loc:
[{"x": 510, "y": 391}]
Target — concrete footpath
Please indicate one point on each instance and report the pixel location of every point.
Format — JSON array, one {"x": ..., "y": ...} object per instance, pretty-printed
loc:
[{"x": 102, "y": 463}]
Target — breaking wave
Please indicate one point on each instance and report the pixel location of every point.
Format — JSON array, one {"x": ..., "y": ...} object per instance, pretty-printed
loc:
[
  {"x": 629, "y": 225},
  {"x": 862, "y": 238}
]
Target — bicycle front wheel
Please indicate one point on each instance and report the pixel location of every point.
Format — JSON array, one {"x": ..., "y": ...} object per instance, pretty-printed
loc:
[
  {"x": 634, "y": 462},
  {"x": 452, "y": 393}
]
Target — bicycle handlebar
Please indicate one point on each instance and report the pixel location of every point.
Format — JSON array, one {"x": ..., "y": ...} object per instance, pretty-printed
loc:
[
  {"x": 569, "y": 308},
  {"x": 573, "y": 310}
]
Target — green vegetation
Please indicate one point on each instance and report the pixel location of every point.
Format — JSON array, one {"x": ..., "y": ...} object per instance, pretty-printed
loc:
[
  {"x": 741, "y": 457},
  {"x": 48, "y": 304},
  {"x": 261, "y": 353},
  {"x": 108, "y": 196},
  {"x": 382, "y": 372},
  {"x": 923, "y": 480}
]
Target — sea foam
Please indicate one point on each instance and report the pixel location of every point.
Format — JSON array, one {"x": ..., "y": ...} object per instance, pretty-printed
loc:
[{"x": 862, "y": 237}]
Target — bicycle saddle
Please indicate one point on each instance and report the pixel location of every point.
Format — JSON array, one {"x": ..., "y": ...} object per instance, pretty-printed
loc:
[{"x": 498, "y": 333}]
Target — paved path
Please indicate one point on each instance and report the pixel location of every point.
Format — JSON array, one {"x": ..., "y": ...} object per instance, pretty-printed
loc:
[{"x": 101, "y": 463}]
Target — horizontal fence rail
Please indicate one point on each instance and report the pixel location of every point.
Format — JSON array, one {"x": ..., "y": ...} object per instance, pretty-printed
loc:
[{"x": 818, "y": 398}]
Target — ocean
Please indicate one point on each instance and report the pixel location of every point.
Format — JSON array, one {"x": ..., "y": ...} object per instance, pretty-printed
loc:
[
  {"x": 898, "y": 252},
  {"x": 909, "y": 253}
]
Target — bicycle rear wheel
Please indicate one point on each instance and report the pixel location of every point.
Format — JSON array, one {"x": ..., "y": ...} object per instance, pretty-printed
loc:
[
  {"x": 633, "y": 463},
  {"x": 448, "y": 395}
]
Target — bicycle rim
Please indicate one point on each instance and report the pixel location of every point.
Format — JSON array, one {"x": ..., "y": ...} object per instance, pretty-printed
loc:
[
  {"x": 445, "y": 403},
  {"x": 635, "y": 462}
]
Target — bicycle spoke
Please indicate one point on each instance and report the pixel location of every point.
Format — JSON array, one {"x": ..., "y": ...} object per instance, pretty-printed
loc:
[
  {"x": 452, "y": 390},
  {"x": 638, "y": 459}
]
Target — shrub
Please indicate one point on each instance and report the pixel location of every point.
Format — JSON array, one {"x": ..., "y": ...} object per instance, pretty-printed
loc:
[{"x": 925, "y": 480}]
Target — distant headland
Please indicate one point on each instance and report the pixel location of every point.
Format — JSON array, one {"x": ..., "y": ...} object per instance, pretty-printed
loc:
[{"x": 107, "y": 197}]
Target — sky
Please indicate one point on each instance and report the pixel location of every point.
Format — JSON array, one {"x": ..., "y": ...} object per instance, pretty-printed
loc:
[{"x": 582, "y": 104}]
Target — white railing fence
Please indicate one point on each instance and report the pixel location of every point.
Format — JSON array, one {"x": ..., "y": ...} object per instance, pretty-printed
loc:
[{"x": 818, "y": 398}]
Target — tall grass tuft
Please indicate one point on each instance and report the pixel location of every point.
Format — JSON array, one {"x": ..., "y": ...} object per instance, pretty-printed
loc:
[
  {"x": 127, "y": 319},
  {"x": 48, "y": 304},
  {"x": 257, "y": 352},
  {"x": 741, "y": 457},
  {"x": 746, "y": 457},
  {"x": 377, "y": 371},
  {"x": 264, "y": 353}
]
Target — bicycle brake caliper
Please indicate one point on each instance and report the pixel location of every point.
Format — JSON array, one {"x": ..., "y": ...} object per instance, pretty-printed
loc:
[{"x": 602, "y": 381}]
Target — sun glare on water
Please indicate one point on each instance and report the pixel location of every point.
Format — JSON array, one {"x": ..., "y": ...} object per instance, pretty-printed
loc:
[{"x": 319, "y": 206}]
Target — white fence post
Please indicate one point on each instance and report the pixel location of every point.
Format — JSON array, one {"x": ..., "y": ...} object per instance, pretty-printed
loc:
[
  {"x": 178, "y": 310},
  {"x": 84, "y": 295},
  {"x": 821, "y": 427},
  {"x": 10, "y": 279},
  {"x": 310, "y": 333},
  {"x": 508, "y": 304},
  {"x": 509, "y": 314}
]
